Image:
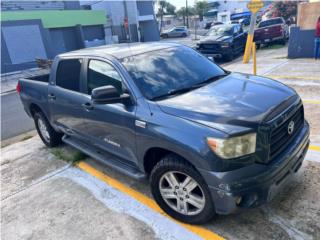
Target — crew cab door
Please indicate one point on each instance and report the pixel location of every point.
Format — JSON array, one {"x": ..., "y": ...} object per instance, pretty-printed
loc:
[
  {"x": 110, "y": 126},
  {"x": 65, "y": 96}
]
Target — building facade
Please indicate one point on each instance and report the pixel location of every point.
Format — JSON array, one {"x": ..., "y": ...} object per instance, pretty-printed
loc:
[
  {"x": 41, "y": 30},
  {"x": 128, "y": 20},
  {"x": 33, "y": 30}
]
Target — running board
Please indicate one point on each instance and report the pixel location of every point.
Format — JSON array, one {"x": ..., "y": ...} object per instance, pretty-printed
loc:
[{"x": 105, "y": 158}]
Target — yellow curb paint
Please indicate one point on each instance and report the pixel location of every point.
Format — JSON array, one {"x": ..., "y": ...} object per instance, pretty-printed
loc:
[
  {"x": 314, "y": 148},
  {"x": 311, "y": 101},
  {"x": 294, "y": 77},
  {"x": 200, "y": 231}
]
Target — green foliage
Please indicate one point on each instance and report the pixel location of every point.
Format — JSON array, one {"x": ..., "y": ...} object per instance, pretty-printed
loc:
[
  {"x": 166, "y": 8},
  {"x": 285, "y": 9},
  {"x": 72, "y": 156},
  {"x": 183, "y": 13},
  {"x": 201, "y": 7}
]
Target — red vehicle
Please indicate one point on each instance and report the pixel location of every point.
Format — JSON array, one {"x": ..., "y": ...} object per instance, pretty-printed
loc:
[{"x": 270, "y": 31}]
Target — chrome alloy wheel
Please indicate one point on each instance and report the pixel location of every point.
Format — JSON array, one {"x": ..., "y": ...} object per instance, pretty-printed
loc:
[
  {"x": 43, "y": 130},
  {"x": 182, "y": 193}
]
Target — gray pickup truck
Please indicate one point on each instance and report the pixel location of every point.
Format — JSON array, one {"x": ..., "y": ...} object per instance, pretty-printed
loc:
[{"x": 210, "y": 141}]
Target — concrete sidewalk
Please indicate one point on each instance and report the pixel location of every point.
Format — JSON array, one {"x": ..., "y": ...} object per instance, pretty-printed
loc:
[{"x": 46, "y": 198}]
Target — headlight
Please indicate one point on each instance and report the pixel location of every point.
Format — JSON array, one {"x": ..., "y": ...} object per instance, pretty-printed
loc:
[
  {"x": 225, "y": 44},
  {"x": 233, "y": 147}
]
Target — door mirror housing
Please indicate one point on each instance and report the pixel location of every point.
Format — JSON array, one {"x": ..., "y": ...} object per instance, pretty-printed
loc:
[{"x": 109, "y": 94}]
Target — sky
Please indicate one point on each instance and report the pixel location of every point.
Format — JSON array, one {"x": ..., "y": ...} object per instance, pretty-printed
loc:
[{"x": 181, "y": 3}]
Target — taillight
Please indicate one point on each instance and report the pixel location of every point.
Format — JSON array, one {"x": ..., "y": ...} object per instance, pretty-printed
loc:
[{"x": 18, "y": 88}]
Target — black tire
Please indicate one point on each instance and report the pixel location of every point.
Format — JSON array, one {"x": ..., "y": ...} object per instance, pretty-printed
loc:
[
  {"x": 174, "y": 163},
  {"x": 229, "y": 57},
  {"x": 54, "y": 138},
  {"x": 165, "y": 36},
  {"x": 184, "y": 35},
  {"x": 283, "y": 41},
  {"x": 258, "y": 45}
]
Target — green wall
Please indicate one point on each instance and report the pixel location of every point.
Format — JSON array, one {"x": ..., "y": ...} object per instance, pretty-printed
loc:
[{"x": 58, "y": 18}]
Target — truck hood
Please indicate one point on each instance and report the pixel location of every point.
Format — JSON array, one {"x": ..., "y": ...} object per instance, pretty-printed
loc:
[
  {"x": 239, "y": 100},
  {"x": 214, "y": 39}
]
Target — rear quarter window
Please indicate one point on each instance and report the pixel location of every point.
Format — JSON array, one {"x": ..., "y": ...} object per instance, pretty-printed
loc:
[{"x": 68, "y": 74}]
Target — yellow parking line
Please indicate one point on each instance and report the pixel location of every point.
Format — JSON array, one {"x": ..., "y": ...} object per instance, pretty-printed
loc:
[
  {"x": 314, "y": 148},
  {"x": 294, "y": 77},
  {"x": 200, "y": 231},
  {"x": 311, "y": 101}
]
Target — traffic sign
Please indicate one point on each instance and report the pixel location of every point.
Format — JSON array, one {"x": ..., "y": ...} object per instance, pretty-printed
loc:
[{"x": 255, "y": 5}]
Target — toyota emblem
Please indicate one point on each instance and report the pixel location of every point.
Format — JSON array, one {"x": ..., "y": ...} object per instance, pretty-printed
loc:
[{"x": 291, "y": 127}]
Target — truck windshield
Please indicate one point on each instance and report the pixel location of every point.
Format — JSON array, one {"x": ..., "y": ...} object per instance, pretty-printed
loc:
[
  {"x": 220, "y": 31},
  {"x": 159, "y": 73}
]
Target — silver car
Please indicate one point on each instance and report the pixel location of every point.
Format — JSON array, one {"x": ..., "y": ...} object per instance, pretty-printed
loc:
[{"x": 175, "y": 32}]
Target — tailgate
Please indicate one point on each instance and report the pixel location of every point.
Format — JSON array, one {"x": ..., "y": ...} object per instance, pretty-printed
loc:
[{"x": 268, "y": 32}]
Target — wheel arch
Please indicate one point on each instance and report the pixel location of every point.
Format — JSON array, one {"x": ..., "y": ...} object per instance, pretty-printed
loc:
[{"x": 154, "y": 154}]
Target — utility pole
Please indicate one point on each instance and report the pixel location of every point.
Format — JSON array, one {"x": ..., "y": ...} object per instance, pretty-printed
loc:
[{"x": 187, "y": 14}]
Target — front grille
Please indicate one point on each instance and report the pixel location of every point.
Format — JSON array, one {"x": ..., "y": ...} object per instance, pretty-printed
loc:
[
  {"x": 212, "y": 47},
  {"x": 280, "y": 138}
]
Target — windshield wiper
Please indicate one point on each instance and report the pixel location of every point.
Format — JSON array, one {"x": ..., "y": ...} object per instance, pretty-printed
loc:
[
  {"x": 211, "y": 79},
  {"x": 187, "y": 89}
]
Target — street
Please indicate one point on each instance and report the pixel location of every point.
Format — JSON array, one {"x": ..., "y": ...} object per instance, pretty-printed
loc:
[{"x": 14, "y": 120}]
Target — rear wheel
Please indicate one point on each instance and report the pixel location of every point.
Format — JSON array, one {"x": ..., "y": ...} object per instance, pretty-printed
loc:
[
  {"x": 180, "y": 191},
  {"x": 184, "y": 34},
  {"x": 165, "y": 36},
  {"x": 48, "y": 135},
  {"x": 283, "y": 41}
]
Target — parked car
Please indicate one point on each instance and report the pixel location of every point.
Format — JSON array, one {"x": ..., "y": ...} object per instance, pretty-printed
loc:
[
  {"x": 225, "y": 41},
  {"x": 270, "y": 31},
  {"x": 244, "y": 21},
  {"x": 179, "y": 31},
  {"x": 210, "y": 141}
]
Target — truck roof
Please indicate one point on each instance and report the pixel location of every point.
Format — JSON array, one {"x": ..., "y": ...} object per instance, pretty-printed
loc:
[{"x": 121, "y": 50}]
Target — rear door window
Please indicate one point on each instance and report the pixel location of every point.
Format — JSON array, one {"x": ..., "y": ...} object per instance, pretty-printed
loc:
[
  {"x": 68, "y": 74},
  {"x": 270, "y": 22}
]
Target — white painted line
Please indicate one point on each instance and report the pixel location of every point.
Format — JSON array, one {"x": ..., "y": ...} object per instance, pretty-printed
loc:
[{"x": 117, "y": 201}]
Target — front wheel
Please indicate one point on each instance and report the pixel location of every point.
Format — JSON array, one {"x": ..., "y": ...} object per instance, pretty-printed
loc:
[
  {"x": 48, "y": 135},
  {"x": 180, "y": 191},
  {"x": 230, "y": 56}
]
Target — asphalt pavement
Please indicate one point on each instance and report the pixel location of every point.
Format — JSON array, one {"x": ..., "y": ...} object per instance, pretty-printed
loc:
[{"x": 14, "y": 120}]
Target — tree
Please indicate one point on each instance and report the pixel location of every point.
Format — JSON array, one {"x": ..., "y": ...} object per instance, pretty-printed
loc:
[
  {"x": 165, "y": 8},
  {"x": 201, "y": 7},
  {"x": 285, "y": 9},
  {"x": 183, "y": 13},
  {"x": 170, "y": 9}
]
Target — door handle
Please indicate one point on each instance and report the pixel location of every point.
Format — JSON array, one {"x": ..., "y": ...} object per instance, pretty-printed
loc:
[
  {"x": 51, "y": 96},
  {"x": 88, "y": 106}
]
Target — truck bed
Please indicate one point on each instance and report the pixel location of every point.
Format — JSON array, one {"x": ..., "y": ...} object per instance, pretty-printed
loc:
[{"x": 39, "y": 78}]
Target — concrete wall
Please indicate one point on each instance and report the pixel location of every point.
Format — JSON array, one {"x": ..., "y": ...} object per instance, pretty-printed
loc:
[
  {"x": 301, "y": 43},
  {"x": 116, "y": 12},
  {"x": 25, "y": 40},
  {"x": 145, "y": 8},
  {"x": 22, "y": 42},
  {"x": 308, "y": 14}
]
